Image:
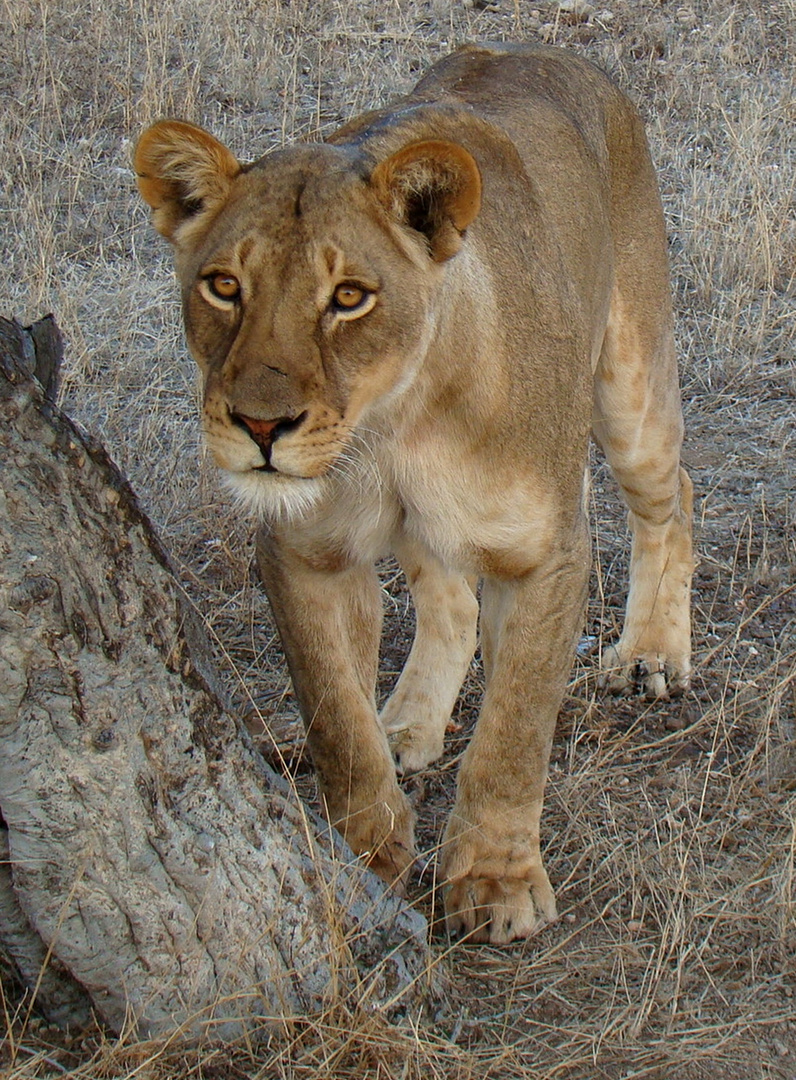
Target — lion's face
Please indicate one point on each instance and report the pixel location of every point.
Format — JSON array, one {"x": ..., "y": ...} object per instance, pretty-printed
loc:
[{"x": 308, "y": 293}]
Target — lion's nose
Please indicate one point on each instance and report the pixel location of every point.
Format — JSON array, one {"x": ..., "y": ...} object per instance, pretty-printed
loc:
[{"x": 265, "y": 432}]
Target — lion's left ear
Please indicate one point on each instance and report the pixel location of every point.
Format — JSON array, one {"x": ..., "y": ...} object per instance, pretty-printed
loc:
[
  {"x": 182, "y": 171},
  {"x": 434, "y": 187}
]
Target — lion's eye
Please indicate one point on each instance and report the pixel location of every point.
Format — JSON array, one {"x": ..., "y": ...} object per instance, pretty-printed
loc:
[
  {"x": 349, "y": 297},
  {"x": 224, "y": 286}
]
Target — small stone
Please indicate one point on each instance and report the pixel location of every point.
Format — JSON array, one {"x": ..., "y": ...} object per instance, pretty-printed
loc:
[
  {"x": 584, "y": 33},
  {"x": 575, "y": 11}
]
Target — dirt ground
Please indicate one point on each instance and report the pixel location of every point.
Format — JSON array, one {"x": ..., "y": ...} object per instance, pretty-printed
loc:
[{"x": 670, "y": 828}]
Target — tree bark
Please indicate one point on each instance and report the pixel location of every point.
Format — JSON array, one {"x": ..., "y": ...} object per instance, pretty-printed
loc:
[{"x": 158, "y": 872}]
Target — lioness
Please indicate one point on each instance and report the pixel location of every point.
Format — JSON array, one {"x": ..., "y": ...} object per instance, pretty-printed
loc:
[{"x": 406, "y": 335}]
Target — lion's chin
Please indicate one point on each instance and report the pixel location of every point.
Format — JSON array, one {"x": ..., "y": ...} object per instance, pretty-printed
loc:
[{"x": 272, "y": 496}]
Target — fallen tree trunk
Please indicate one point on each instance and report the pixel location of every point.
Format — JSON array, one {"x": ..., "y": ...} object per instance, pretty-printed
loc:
[{"x": 158, "y": 873}]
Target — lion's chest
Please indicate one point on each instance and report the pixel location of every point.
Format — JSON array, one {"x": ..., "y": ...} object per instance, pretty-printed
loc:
[{"x": 477, "y": 519}]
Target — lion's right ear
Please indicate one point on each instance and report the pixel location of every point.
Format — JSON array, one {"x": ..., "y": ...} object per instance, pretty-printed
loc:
[{"x": 182, "y": 171}]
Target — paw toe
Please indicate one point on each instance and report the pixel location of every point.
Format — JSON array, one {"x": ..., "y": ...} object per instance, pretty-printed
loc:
[
  {"x": 393, "y": 863},
  {"x": 650, "y": 678},
  {"x": 615, "y": 676}
]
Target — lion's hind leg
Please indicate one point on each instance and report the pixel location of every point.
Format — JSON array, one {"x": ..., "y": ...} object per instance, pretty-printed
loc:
[
  {"x": 653, "y": 652},
  {"x": 638, "y": 423},
  {"x": 417, "y": 713}
]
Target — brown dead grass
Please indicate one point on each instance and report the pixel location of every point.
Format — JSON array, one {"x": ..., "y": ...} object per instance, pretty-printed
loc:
[{"x": 670, "y": 829}]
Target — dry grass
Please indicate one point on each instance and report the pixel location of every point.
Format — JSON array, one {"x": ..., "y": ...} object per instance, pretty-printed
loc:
[{"x": 671, "y": 829}]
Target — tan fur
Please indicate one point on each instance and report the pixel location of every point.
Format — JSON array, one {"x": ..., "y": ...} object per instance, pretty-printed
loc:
[{"x": 407, "y": 335}]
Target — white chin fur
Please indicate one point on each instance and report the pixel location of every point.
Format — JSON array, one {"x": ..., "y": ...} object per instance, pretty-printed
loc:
[{"x": 271, "y": 496}]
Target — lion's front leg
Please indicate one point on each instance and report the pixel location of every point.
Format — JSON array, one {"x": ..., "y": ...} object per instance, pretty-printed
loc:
[
  {"x": 496, "y": 885},
  {"x": 329, "y": 623}
]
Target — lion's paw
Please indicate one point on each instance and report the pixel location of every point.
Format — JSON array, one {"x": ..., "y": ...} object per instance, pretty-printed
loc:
[
  {"x": 655, "y": 676},
  {"x": 392, "y": 860},
  {"x": 499, "y": 910},
  {"x": 382, "y": 835},
  {"x": 496, "y": 887},
  {"x": 414, "y": 746}
]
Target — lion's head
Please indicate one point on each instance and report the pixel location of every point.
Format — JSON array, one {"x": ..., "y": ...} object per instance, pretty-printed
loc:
[{"x": 308, "y": 283}]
